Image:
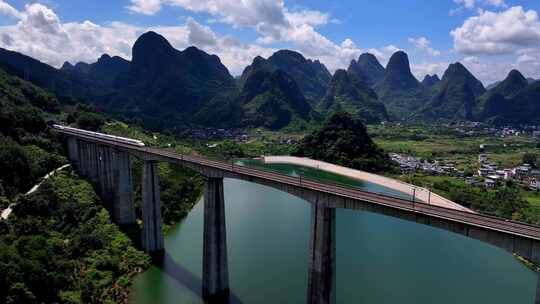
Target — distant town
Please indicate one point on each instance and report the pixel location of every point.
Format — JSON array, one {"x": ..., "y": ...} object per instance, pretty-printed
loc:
[{"x": 488, "y": 174}]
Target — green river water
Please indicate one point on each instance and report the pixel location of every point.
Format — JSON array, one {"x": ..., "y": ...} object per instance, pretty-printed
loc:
[{"x": 379, "y": 259}]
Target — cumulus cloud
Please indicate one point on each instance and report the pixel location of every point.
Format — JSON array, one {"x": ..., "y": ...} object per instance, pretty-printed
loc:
[
  {"x": 429, "y": 68},
  {"x": 275, "y": 23},
  {"x": 493, "y": 43},
  {"x": 6, "y": 9},
  {"x": 422, "y": 43},
  {"x": 200, "y": 35},
  {"x": 145, "y": 7},
  {"x": 498, "y": 33},
  {"x": 470, "y": 4},
  {"x": 40, "y": 33}
]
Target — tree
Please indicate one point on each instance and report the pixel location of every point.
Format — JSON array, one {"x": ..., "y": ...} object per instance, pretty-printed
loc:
[
  {"x": 15, "y": 169},
  {"x": 530, "y": 158},
  {"x": 90, "y": 121},
  {"x": 343, "y": 140},
  {"x": 20, "y": 294}
]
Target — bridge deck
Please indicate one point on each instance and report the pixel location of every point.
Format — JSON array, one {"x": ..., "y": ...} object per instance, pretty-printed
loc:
[{"x": 473, "y": 219}]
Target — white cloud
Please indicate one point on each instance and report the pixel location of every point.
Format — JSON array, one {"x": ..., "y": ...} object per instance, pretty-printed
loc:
[
  {"x": 493, "y": 43},
  {"x": 6, "y": 9},
  {"x": 200, "y": 35},
  {"x": 41, "y": 34},
  {"x": 145, "y": 7},
  {"x": 313, "y": 18},
  {"x": 275, "y": 23},
  {"x": 498, "y": 33},
  {"x": 348, "y": 43},
  {"x": 470, "y": 4},
  {"x": 423, "y": 69},
  {"x": 422, "y": 43}
]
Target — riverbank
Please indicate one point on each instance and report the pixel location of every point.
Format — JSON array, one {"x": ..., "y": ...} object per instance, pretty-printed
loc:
[{"x": 421, "y": 194}]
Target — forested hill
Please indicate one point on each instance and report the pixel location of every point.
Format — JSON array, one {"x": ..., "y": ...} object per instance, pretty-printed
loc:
[
  {"x": 172, "y": 90},
  {"x": 59, "y": 245},
  {"x": 399, "y": 90},
  {"x": 343, "y": 140},
  {"x": 348, "y": 93}
]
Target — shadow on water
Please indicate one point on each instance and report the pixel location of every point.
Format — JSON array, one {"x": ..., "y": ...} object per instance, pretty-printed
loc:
[{"x": 186, "y": 278}]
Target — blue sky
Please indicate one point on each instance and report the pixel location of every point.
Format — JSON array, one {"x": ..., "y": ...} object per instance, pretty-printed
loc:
[{"x": 489, "y": 36}]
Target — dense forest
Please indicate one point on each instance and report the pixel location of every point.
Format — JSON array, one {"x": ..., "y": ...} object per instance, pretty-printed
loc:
[
  {"x": 59, "y": 244},
  {"x": 343, "y": 140}
]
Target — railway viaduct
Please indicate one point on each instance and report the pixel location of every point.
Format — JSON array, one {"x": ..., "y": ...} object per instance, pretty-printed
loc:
[{"x": 106, "y": 163}]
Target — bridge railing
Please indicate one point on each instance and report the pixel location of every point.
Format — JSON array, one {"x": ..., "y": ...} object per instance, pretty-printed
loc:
[
  {"x": 346, "y": 189},
  {"x": 352, "y": 184},
  {"x": 414, "y": 203}
]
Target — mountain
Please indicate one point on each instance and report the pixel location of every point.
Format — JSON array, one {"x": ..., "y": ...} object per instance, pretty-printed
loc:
[
  {"x": 174, "y": 83},
  {"x": 45, "y": 76},
  {"x": 312, "y": 77},
  {"x": 399, "y": 90},
  {"x": 524, "y": 107},
  {"x": 496, "y": 83},
  {"x": 162, "y": 86},
  {"x": 367, "y": 69},
  {"x": 510, "y": 86},
  {"x": 456, "y": 96},
  {"x": 272, "y": 99},
  {"x": 349, "y": 94},
  {"x": 430, "y": 80},
  {"x": 513, "y": 100},
  {"x": 65, "y": 207},
  {"x": 105, "y": 71},
  {"x": 491, "y": 86},
  {"x": 344, "y": 141}
]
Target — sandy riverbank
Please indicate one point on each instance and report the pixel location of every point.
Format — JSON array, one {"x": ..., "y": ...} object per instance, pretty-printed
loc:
[{"x": 421, "y": 194}]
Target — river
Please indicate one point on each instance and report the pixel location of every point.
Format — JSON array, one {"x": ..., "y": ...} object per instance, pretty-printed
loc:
[{"x": 379, "y": 259}]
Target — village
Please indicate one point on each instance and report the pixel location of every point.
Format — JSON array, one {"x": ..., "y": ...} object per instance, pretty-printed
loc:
[{"x": 488, "y": 174}]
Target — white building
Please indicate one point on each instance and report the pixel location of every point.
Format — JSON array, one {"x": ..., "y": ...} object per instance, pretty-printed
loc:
[
  {"x": 489, "y": 183},
  {"x": 482, "y": 157},
  {"x": 535, "y": 185}
]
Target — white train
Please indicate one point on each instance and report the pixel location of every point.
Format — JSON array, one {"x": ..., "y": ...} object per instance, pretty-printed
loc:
[{"x": 119, "y": 139}]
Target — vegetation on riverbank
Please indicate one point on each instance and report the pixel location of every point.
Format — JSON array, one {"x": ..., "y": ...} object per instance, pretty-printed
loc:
[
  {"x": 59, "y": 245},
  {"x": 508, "y": 201}
]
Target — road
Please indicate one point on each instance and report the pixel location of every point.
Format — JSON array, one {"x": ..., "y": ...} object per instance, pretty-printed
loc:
[{"x": 6, "y": 212}]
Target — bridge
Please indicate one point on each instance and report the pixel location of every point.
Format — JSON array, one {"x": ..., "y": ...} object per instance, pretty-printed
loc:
[{"x": 106, "y": 161}]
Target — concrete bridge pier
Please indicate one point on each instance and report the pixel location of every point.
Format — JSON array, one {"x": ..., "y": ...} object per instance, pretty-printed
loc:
[
  {"x": 104, "y": 185},
  {"x": 322, "y": 265},
  {"x": 152, "y": 234},
  {"x": 81, "y": 147},
  {"x": 93, "y": 160},
  {"x": 73, "y": 151},
  {"x": 215, "y": 285},
  {"x": 123, "y": 208}
]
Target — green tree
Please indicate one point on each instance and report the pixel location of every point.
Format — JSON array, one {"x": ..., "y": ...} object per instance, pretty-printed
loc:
[
  {"x": 90, "y": 121},
  {"x": 15, "y": 172},
  {"x": 530, "y": 158},
  {"x": 20, "y": 294}
]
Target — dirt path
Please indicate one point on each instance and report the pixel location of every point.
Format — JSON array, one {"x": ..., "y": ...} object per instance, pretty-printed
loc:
[{"x": 6, "y": 212}]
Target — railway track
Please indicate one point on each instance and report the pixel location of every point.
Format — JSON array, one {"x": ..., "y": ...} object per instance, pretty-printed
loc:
[{"x": 475, "y": 219}]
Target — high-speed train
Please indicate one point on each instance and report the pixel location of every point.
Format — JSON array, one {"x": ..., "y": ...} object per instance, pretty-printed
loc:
[{"x": 119, "y": 139}]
